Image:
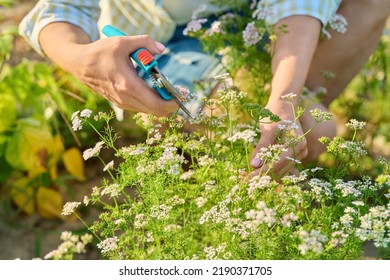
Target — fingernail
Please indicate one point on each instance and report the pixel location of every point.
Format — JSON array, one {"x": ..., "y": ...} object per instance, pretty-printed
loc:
[
  {"x": 256, "y": 162},
  {"x": 160, "y": 47}
]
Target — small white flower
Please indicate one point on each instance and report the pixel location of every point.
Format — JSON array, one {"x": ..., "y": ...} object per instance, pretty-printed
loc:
[
  {"x": 76, "y": 123},
  {"x": 222, "y": 77},
  {"x": 109, "y": 244},
  {"x": 294, "y": 160},
  {"x": 194, "y": 26},
  {"x": 200, "y": 201},
  {"x": 91, "y": 152},
  {"x": 287, "y": 219},
  {"x": 262, "y": 13},
  {"x": 111, "y": 190},
  {"x": 320, "y": 116},
  {"x": 86, "y": 113},
  {"x": 140, "y": 221},
  {"x": 187, "y": 175},
  {"x": 289, "y": 97},
  {"x": 69, "y": 208},
  {"x": 338, "y": 23},
  {"x": 355, "y": 125},
  {"x": 251, "y": 35},
  {"x": 215, "y": 28},
  {"x": 248, "y": 136},
  {"x": 109, "y": 166}
]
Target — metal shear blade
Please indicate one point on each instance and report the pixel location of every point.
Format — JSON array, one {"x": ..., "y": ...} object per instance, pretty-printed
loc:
[{"x": 177, "y": 95}]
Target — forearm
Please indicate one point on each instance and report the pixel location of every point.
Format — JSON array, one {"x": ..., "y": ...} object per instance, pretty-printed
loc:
[
  {"x": 293, "y": 53},
  {"x": 60, "y": 40}
]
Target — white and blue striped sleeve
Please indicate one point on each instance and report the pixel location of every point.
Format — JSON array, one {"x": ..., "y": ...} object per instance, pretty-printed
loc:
[
  {"x": 82, "y": 13},
  {"x": 322, "y": 10}
]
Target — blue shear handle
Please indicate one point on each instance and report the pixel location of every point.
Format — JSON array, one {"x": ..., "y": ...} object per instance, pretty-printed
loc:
[
  {"x": 111, "y": 31},
  {"x": 148, "y": 67}
]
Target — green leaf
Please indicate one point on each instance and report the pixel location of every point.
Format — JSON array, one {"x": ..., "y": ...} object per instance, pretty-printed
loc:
[
  {"x": 6, "y": 3},
  {"x": 7, "y": 111}
]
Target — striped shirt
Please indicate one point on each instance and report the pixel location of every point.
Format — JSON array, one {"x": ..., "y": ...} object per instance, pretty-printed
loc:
[{"x": 146, "y": 16}]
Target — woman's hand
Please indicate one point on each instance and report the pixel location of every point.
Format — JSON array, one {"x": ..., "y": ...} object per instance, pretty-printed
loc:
[
  {"x": 288, "y": 133},
  {"x": 105, "y": 67}
]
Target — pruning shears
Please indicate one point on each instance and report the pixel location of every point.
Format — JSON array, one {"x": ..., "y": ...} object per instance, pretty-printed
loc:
[{"x": 149, "y": 65}]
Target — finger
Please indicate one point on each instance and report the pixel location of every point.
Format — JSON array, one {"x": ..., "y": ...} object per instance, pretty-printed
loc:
[
  {"x": 286, "y": 163},
  {"x": 133, "y": 43},
  {"x": 137, "y": 92},
  {"x": 133, "y": 92},
  {"x": 289, "y": 160},
  {"x": 267, "y": 138}
]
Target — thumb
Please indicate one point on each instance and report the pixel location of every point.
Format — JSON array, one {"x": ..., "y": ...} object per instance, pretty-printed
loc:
[
  {"x": 144, "y": 41},
  {"x": 267, "y": 138}
]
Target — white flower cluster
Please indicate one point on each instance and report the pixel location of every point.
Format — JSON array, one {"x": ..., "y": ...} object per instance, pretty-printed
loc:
[
  {"x": 133, "y": 150},
  {"x": 375, "y": 226},
  {"x": 77, "y": 119},
  {"x": 146, "y": 167},
  {"x": 160, "y": 212},
  {"x": 170, "y": 159},
  {"x": 353, "y": 148},
  {"x": 338, "y": 238},
  {"x": 217, "y": 253},
  {"x": 93, "y": 152},
  {"x": 71, "y": 244},
  {"x": 261, "y": 13},
  {"x": 217, "y": 214},
  {"x": 287, "y": 219},
  {"x": 206, "y": 161},
  {"x": 69, "y": 208},
  {"x": 320, "y": 189},
  {"x": 109, "y": 244},
  {"x": 109, "y": 166},
  {"x": 140, "y": 221},
  {"x": 112, "y": 190},
  {"x": 251, "y": 35},
  {"x": 263, "y": 215},
  {"x": 338, "y": 23},
  {"x": 311, "y": 241},
  {"x": 215, "y": 28},
  {"x": 355, "y": 124},
  {"x": 320, "y": 116},
  {"x": 149, "y": 237},
  {"x": 287, "y": 125},
  {"x": 200, "y": 201},
  {"x": 187, "y": 175},
  {"x": 154, "y": 136},
  {"x": 294, "y": 179},
  {"x": 172, "y": 227},
  {"x": 347, "y": 188},
  {"x": 194, "y": 26},
  {"x": 271, "y": 154},
  {"x": 258, "y": 182},
  {"x": 248, "y": 136}
]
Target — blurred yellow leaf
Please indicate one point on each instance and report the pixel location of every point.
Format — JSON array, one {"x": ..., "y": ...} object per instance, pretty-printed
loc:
[
  {"x": 22, "y": 194},
  {"x": 29, "y": 148},
  {"x": 53, "y": 171},
  {"x": 49, "y": 203},
  {"x": 58, "y": 149},
  {"x": 74, "y": 163}
]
